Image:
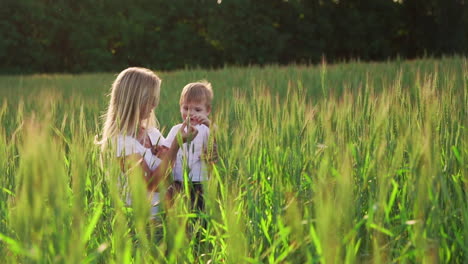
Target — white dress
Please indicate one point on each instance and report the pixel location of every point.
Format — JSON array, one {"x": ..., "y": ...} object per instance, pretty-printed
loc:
[{"x": 127, "y": 145}]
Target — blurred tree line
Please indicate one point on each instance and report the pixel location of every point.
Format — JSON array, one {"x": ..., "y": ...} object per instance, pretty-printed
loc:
[{"x": 108, "y": 35}]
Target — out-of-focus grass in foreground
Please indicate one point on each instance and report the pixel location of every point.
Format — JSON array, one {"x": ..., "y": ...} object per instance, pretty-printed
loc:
[{"x": 347, "y": 163}]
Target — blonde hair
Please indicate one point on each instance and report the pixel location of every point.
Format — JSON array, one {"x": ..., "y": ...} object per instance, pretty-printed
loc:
[
  {"x": 197, "y": 92},
  {"x": 133, "y": 89}
]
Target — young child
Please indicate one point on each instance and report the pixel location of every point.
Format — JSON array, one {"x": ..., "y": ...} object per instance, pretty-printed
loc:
[{"x": 195, "y": 106}]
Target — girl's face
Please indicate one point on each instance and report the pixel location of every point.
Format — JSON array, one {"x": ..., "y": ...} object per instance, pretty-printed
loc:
[
  {"x": 193, "y": 109},
  {"x": 147, "y": 109}
]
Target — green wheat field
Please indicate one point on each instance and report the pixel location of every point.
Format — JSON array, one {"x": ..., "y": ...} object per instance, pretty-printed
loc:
[{"x": 333, "y": 163}]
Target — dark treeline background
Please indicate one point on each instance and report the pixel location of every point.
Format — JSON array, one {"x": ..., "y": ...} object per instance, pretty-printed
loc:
[{"x": 108, "y": 35}]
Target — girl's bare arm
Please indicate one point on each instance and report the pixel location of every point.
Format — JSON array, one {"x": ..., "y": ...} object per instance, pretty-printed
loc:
[{"x": 154, "y": 178}]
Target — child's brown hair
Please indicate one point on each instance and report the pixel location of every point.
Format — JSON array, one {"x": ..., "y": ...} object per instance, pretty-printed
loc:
[{"x": 197, "y": 92}]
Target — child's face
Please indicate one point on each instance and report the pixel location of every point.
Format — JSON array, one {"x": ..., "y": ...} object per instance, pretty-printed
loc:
[{"x": 192, "y": 109}]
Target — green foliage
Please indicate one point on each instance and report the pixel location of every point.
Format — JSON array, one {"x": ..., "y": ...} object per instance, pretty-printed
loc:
[
  {"x": 97, "y": 36},
  {"x": 345, "y": 163}
]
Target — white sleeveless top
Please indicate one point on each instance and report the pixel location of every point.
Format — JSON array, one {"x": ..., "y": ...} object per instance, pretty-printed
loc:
[{"x": 127, "y": 145}]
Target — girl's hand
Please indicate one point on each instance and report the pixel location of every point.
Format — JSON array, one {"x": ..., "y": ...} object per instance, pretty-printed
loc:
[{"x": 159, "y": 151}]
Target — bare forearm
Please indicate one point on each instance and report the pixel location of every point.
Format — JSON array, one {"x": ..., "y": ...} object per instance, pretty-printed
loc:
[{"x": 163, "y": 170}]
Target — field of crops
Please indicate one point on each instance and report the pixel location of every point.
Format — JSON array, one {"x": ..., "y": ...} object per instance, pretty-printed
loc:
[{"x": 346, "y": 163}]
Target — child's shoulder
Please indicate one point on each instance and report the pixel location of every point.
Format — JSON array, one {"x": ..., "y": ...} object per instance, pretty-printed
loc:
[
  {"x": 127, "y": 145},
  {"x": 125, "y": 140}
]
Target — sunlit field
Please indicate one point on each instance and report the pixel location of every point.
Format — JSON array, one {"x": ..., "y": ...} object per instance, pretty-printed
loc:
[{"x": 343, "y": 163}]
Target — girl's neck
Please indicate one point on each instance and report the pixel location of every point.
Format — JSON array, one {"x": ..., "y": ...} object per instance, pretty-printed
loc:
[{"x": 141, "y": 132}]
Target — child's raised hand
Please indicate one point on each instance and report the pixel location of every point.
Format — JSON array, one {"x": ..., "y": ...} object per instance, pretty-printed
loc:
[{"x": 202, "y": 119}]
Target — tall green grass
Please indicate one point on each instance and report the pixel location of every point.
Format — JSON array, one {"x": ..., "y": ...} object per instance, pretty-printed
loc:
[{"x": 346, "y": 163}]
